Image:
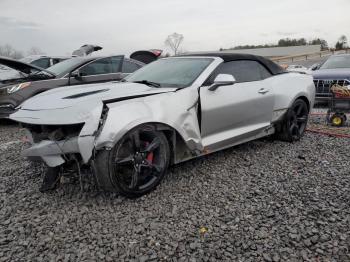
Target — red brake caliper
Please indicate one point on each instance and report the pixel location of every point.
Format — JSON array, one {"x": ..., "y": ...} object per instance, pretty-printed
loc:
[{"x": 149, "y": 156}]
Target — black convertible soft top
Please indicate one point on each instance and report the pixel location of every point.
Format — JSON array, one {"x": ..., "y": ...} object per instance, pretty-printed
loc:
[{"x": 274, "y": 68}]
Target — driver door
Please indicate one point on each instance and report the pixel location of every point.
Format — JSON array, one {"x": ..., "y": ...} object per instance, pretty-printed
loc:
[{"x": 233, "y": 113}]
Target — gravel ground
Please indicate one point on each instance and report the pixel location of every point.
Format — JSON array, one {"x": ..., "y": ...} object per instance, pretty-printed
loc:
[{"x": 261, "y": 201}]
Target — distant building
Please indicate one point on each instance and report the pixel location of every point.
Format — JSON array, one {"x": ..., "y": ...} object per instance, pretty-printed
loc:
[{"x": 273, "y": 51}]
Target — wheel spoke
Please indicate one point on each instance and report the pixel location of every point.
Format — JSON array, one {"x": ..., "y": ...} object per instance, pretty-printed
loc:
[
  {"x": 294, "y": 129},
  {"x": 153, "y": 145},
  {"x": 124, "y": 160},
  {"x": 298, "y": 111},
  {"x": 136, "y": 140},
  {"x": 152, "y": 166},
  {"x": 302, "y": 119},
  {"x": 157, "y": 168},
  {"x": 135, "y": 177}
]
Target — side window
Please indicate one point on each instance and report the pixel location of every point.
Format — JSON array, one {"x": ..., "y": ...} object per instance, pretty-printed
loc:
[
  {"x": 101, "y": 66},
  {"x": 116, "y": 62},
  {"x": 264, "y": 72},
  {"x": 42, "y": 62},
  {"x": 242, "y": 70},
  {"x": 129, "y": 66}
]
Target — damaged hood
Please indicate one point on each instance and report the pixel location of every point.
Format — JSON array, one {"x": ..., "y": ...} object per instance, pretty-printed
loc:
[
  {"x": 16, "y": 71},
  {"x": 67, "y": 105},
  {"x": 64, "y": 97},
  {"x": 21, "y": 66}
]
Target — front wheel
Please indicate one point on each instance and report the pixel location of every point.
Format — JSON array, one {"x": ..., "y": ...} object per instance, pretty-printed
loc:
[
  {"x": 136, "y": 164},
  {"x": 294, "y": 123}
]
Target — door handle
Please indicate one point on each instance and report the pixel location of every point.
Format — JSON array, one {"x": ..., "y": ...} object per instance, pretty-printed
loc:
[{"x": 263, "y": 91}]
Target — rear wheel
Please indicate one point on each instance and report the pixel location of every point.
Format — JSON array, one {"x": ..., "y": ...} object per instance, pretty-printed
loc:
[
  {"x": 294, "y": 124},
  {"x": 136, "y": 164}
]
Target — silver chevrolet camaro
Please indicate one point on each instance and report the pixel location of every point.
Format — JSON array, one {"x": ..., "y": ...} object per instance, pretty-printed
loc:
[{"x": 169, "y": 111}]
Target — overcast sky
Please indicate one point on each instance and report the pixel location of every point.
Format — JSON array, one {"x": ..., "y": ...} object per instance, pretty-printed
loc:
[{"x": 123, "y": 26}]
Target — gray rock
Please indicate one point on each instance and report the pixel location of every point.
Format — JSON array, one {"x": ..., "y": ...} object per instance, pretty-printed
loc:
[
  {"x": 267, "y": 257},
  {"x": 259, "y": 201}
]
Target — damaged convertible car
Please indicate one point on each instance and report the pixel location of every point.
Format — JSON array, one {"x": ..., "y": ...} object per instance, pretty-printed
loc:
[{"x": 170, "y": 111}]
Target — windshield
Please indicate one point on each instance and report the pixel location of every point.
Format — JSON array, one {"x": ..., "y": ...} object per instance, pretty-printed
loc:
[
  {"x": 337, "y": 62},
  {"x": 7, "y": 74},
  {"x": 66, "y": 65},
  {"x": 171, "y": 72},
  {"x": 31, "y": 58},
  {"x": 27, "y": 59}
]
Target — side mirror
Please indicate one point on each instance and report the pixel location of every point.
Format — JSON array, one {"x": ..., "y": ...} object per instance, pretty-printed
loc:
[
  {"x": 76, "y": 74},
  {"x": 314, "y": 67},
  {"x": 222, "y": 80}
]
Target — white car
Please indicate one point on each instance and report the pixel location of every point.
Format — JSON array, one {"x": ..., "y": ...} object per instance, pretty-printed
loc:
[
  {"x": 169, "y": 111},
  {"x": 298, "y": 68}
]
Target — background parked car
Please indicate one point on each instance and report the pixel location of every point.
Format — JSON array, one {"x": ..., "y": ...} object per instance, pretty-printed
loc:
[
  {"x": 335, "y": 70},
  {"x": 298, "y": 68},
  {"x": 44, "y": 61},
  {"x": 75, "y": 71}
]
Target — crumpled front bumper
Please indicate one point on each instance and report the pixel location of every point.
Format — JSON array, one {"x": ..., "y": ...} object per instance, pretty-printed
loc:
[{"x": 52, "y": 152}]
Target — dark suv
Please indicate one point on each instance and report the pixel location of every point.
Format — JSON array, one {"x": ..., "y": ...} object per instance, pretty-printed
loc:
[{"x": 335, "y": 70}]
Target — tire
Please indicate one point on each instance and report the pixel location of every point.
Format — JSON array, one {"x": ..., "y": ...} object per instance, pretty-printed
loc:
[
  {"x": 294, "y": 123},
  {"x": 337, "y": 119},
  {"x": 134, "y": 168}
]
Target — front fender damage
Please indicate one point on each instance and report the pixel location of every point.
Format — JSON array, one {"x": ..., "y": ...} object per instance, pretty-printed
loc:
[
  {"x": 104, "y": 124},
  {"x": 177, "y": 110}
]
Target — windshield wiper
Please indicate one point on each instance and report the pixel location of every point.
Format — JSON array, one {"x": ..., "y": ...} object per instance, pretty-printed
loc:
[{"x": 149, "y": 83}]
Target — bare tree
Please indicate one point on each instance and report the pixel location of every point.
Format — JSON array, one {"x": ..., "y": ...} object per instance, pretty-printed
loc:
[
  {"x": 9, "y": 51},
  {"x": 343, "y": 40},
  {"x": 17, "y": 54},
  {"x": 35, "y": 51},
  {"x": 174, "y": 41},
  {"x": 6, "y": 50}
]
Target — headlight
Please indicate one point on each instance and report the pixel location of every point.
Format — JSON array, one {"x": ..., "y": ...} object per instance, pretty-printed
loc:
[{"x": 15, "y": 88}]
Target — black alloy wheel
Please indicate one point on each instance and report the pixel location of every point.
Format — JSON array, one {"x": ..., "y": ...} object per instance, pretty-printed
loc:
[
  {"x": 295, "y": 122},
  {"x": 138, "y": 162}
]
